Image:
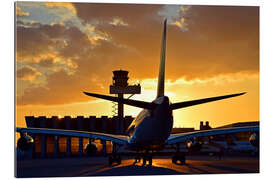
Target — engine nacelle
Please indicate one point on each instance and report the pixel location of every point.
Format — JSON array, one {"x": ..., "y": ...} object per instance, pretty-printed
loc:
[
  {"x": 25, "y": 142},
  {"x": 91, "y": 149},
  {"x": 254, "y": 140}
]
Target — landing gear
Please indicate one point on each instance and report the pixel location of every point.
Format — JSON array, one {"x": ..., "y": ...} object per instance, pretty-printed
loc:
[
  {"x": 137, "y": 159},
  {"x": 115, "y": 158},
  {"x": 179, "y": 159},
  {"x": 147, "y": 157}
]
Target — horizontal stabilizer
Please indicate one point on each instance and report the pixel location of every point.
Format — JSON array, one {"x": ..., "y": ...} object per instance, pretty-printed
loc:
[
  {"x": 201, "y": 101},
  {"x": 136, "y": 103}
]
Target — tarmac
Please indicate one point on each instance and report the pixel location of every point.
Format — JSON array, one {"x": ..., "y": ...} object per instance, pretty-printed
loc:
[{"x": 98, "y": 166}]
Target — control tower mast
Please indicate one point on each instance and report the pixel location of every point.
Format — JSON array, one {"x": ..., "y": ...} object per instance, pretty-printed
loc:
[{"x": 120, "y": 87}]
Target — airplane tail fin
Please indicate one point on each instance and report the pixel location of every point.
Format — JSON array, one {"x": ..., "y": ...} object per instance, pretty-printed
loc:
[{"x": 161, "y": 75}]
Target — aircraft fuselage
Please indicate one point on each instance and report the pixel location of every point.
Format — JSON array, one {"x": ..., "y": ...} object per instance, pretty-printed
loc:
[{"x": 152, "y": 127}]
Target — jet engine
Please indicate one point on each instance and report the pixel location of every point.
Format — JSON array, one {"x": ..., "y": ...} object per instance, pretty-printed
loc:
[
  {"x": 91, "y": 149},
  {"x": 25, "y": 142}
]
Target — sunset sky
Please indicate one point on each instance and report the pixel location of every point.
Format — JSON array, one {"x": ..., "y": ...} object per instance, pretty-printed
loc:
[{"x": 63, "y": 49}]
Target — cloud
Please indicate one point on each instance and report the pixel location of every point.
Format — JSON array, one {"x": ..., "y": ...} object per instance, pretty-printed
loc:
[
  {"x": 20, "y": 13},
  {"x": 181, "y": 24},
  {"x": 31, "y": 42},
  {"x": 66, "y": 5},
  {"x": 118, "y": 22},
  {"x": 47, "y": 62},
  {"x": 51, "y": 44},
  {"x": 73, "y": 57},
  {"x": 175, "y": 15},
  {"x": 69, "y": 48},
  {"x": 129, "y": 13},
  {"x": 220, "y": 80},
  {"x": 27, "y": 73},
  {"x": 61, "y": 88}
]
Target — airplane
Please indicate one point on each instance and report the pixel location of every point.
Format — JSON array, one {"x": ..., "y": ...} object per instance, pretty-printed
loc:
[
  {"x": 223, "y": 143},
  {"x": 151, "y": 129}
]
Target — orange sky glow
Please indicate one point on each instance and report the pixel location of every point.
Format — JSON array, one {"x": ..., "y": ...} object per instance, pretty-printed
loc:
[{"x": 63, "y": 49}]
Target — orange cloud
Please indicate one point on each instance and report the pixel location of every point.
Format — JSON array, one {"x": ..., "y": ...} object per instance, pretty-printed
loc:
[
  {"x": 118, "y": 22},
  {"x": 66, "y": 5},
  {"x": 27, "y": 73},
  {"x": 46, "y": 62},
  {"x": 19, "y": 12}
]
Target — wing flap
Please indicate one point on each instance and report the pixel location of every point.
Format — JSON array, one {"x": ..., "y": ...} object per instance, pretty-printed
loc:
[
  {"x": 177, "y": 138},
  {"x": 119, "y": 139}
]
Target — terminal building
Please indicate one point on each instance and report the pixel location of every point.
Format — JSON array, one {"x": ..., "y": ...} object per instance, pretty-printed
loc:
[
  {"x": 60, "y": 146},
  {"x": 49, "y": 145}
]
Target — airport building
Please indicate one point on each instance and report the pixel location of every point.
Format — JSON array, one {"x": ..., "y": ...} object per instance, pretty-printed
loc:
[
  {"x": 49, "y": 145},
  {"x": 59, "y": 146}
]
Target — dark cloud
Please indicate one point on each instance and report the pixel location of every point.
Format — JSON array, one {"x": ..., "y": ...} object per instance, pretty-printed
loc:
[
  {"x": 77, "y": 43},
  {"x": 93, "y": 72},
  {"x": 31, "y": 42},
  {"x": 36, "y": 40},
  {"x": 130, "y": 13},
  {"x": 219, "y": 40},
  {"x": 48, "y": 62}
]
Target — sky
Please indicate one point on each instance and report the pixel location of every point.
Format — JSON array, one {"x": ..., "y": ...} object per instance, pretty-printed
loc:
[{"x": 63, "y": 49}]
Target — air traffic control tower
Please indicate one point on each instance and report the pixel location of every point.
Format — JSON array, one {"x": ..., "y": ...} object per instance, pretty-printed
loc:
[{"x": 120, "y": 87}]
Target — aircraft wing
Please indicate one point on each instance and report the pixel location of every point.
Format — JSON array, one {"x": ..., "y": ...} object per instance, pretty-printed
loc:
[
  {"x": 118, "y": 139},
  {"x": 182, "y": 137}
]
